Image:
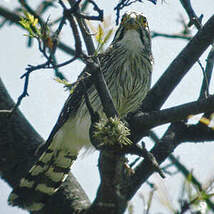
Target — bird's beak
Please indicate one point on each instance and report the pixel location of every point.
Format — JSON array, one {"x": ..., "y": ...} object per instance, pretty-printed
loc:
[{"x": 132, "y": 24}]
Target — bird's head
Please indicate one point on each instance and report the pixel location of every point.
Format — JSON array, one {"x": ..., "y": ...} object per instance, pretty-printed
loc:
[{"x": 133, "y": 21}]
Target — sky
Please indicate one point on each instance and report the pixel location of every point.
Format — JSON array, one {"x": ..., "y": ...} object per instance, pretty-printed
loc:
[{"x": 47, "y": 96}]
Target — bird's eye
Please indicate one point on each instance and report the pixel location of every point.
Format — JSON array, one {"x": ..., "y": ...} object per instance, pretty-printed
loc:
[
  {"x": 143, "y": 21},
  {"x": 124, "y": 19}
]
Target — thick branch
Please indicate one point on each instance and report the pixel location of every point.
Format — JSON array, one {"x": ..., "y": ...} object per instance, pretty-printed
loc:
[
  {"x": 196, "y": 133},
  {"x": 18, "y": 141},
  {"x": 141, "y": 122},
  {"x": 109, "y": 198}
]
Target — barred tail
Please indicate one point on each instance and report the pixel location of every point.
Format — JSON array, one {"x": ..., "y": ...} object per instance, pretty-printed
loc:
[{"x": 43, "y": 180}]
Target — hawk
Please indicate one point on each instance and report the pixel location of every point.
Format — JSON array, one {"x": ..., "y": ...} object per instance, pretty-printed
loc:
[{"x": 126, "y": 66}]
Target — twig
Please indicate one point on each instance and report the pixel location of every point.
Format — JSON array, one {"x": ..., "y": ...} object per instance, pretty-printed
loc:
[
  {"x": 193, "y": 18},
  {"x": 84, "y": 6},
  {"x": 184, "y": 171},
  {"x": 171, "y": 36},
  {"x": 120, "y": 6},
  {"x": 76, "y": 11},
  {"x": 24, "y": 94},
  {"x": 11, "y": 16},
  {"x": 179, "y": 165},
  {"x": 5, "y": 111},
  {"x": 134, "y": 162},
  {"x": 65, "y": 63},
  {"x": 99, "y": 17},
  {"x": 55, "y": 38},
  {"x": 156, "y": 140},
  {"x": 207, "y": 74},
  {"x": 78, "y": 44},
  {"x": 206, "y": 89},
  {"x": 26, "y": 75},
  {"x": 84, "y": 30},
  {"x": 194, "y": 181},
  {"x": 44, "y": 6},
  {"x": 151, "y": 196},
  {"x": 86, "y": 36},
  {"x": 50, "y": 60},
  {"x": 96, "y": 8}
]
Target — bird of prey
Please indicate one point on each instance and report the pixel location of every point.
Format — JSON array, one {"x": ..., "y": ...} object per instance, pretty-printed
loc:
[{"x": 127, "y": 67}]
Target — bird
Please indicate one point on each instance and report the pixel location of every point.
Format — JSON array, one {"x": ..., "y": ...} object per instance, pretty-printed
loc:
[{"x": 127, "y": 66}]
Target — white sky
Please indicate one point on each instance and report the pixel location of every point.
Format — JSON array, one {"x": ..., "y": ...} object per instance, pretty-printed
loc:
[{"x": 47, "y": 96}]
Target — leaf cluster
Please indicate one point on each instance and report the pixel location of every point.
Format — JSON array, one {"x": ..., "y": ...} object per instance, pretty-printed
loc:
[
  {"x": 112, "y": 131},
  {"x": 30, "y": 23}
]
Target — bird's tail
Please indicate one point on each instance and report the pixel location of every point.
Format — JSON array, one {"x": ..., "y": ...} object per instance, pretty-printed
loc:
[{"x": 43, "y": 180}]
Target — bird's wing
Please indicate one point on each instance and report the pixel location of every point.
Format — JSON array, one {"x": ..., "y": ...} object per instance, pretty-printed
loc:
[{"x": 47, "y": 174}]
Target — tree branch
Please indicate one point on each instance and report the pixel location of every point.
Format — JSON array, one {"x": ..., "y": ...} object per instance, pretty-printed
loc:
[
  {"x": 171, "y": 36},
  {"x": 141, "y": 121},
  {"x": 86, "y": 35},
  {"x": 207, "y": 75},
  {"x": 193, "y": 19},
  {"x": 110, "y": 198},
  {"x": 196, "y": 133}
]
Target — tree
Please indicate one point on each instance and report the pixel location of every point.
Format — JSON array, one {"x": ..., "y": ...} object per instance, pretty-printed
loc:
[{"x": 16, "y": 131}]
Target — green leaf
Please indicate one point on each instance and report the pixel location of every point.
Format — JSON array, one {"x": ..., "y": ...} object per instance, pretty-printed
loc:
[
  {"x": 99, "y": 34},
  {"x": 108, "y": 35},
  {"x": 30, "y": 24}
]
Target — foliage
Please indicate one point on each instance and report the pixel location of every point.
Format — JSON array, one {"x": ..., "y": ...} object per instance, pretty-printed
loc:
[
  {"x": 30, "y": 23},
  {"x": 103, "y": 33},
  {"x": 112, "y": 131}
]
